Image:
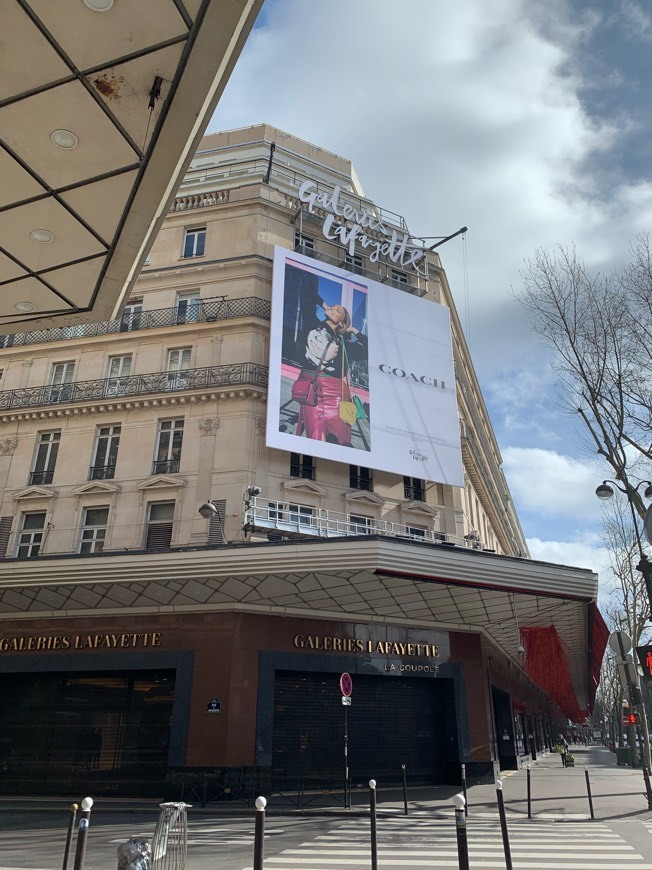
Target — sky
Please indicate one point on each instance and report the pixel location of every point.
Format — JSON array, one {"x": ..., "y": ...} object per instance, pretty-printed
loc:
[{"x": 529, "y": 123}]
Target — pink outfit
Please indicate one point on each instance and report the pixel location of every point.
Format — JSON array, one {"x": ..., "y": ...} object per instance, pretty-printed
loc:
[{"x": 323, "y": 419}]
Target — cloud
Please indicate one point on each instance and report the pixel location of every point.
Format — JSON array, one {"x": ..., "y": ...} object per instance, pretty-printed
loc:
[
  {"x": 468, "y": 118},
  {"x": 552, "y": 484}
]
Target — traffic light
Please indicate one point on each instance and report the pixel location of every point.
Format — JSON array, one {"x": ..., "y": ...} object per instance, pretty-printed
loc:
[
  {"x": 630, "y": 718},
  {"x": 645, "y": 658}
]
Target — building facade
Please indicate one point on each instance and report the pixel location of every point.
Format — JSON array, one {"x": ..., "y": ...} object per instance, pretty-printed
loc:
[{"x": 146, "y": 648}]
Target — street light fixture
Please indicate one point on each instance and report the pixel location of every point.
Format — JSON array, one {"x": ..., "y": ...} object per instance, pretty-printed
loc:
[{"x": 208, "y": 510}]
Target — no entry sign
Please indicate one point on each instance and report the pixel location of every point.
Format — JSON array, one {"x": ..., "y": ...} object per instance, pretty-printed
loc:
[{"x": 346, "y": 685}]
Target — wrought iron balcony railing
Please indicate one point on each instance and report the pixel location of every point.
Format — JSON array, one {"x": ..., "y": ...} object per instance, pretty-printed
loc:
[
  {"x": 236, "y": 374},
  {"x": 166, "y": 466},
  {"x": 38, "y": 477},
  {"x": 215, "y": 308},
  {"x": 101, "y": 472}
]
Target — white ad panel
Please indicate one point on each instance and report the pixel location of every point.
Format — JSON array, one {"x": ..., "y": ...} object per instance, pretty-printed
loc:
[{"x": 361, "y": 373}]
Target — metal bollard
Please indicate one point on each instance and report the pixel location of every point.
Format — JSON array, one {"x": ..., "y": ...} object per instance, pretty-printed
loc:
[
  {"x": 529, "y": 794},
  {"x": 372, "y": 818},
  {"x": 405, "y": 803},
  {"x": 466, "y": 800},
  {"x": 259, "y": 836},
  {"x": 71, "y": 827},
  {"x": 588, "y": 791},
  {"x": 460, "y": 828},
  {"x": 503, "y": 824},
  {"x": 82, "y": 833}
]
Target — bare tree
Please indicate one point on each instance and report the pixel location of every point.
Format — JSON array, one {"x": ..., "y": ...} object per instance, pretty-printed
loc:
[
  {"x": 628, "y": 607},
  {"x": 595, "y": 325}
]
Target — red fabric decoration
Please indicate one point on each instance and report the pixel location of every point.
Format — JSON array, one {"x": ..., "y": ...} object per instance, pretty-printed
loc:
[
  {"x": 545, "y": 663},
  {"x": 598, "y": 636}
]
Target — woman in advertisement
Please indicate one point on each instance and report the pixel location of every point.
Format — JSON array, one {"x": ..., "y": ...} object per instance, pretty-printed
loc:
[{"x": 323, "y": 387}]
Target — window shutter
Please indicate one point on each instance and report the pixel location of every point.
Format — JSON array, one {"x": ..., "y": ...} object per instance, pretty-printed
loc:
[
  {"x": 5, "y": 532},
  {"x": 216, "y": 524},
  {"x": 159, "y": 536}
]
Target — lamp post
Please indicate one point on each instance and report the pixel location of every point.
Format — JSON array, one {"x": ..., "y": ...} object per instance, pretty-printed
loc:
[{"x": 629, "y": 679}]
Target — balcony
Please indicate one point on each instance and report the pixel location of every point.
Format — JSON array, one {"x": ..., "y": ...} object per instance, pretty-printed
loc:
[
  {"x": 37, "y": 478},
  {"x": 207, "y": 310},
  {"x": 281, "y": 520},
  {"x": 212, "y": 377},
  {"x": 101, "y": 472},
  {"x": 166, "y": 466}
]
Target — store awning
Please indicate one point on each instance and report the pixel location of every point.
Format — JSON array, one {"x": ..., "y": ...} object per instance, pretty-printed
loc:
[
  {"x": 364, "y": 579},
  {"x": 102, "y": 105}
]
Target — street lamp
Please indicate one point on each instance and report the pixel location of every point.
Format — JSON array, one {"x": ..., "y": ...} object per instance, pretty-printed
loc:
[{"x": 605, "y": 491}]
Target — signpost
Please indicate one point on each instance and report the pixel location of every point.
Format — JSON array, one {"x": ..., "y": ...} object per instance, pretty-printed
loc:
[{"x": 346, "y": 687}]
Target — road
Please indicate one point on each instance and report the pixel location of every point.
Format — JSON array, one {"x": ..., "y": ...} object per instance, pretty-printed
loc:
[{"x": 35, "y": 842}]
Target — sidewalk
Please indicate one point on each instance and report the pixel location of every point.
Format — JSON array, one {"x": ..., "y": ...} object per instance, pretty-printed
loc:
[{"x": 557, "y": 794}]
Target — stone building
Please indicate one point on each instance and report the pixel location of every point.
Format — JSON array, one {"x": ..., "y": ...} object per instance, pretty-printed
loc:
[{"x": 147, "y": 648}]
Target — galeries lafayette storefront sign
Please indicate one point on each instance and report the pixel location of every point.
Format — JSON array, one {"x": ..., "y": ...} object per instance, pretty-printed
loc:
[{"x": 352, "y": 227}]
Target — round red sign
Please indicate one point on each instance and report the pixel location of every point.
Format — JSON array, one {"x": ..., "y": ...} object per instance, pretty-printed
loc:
[{"x": 346, "y": 685}]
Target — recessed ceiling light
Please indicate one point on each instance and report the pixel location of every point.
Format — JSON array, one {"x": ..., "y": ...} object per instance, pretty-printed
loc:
[
  {"x": 25, "y": 307},
  {"x": 99, "y": 5},
  {"x": 64, "y": 139},
  {"x": 43, "y": 236}
]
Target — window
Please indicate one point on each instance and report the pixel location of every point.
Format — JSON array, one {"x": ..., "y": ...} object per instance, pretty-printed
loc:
[
  {"x": 106, "y": 453},
  {"x": 302, "y": 466},
  {"x": 131, "y": 315},
  {"x": 46, "y": 458},
  {"x": 61, "y": 381},
  {"x": 188, "y": 307},
  {"x": 168, "y": 448},
  {"x": 30, "y": 537},
  {"x": 360, "y": 525},
  {"x": 160, "y": 518},
  {"x": 178, "y": 365},
  {"x": 416, "y": 531},
  {"x": 194, "y": 242},
  {"x": 93, "y": 531},
  {"x": 361, "y": 478},
  {"x": 304, "y": 244},
  {"x": 354, "y": 263},
  {"x": 414, "y": 489},
  {"x": 118, "y": 370},
  {"x": 297, "y": 514},
  {"x": 399, "y": 279}
]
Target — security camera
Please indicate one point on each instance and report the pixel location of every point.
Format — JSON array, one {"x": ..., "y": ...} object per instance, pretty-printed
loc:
[
  {"x": 256, "y": 490},
  {"x": 520, "y": 649},
  {"x": 208, "y": 510},
  {"x": 251, "y": 491}
]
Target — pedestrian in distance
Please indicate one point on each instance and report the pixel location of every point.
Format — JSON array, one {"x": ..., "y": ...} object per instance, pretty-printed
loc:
[{"x": 562, "y": 743}]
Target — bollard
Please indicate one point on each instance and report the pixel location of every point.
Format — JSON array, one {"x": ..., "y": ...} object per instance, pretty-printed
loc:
[
  {"x": 71, "y": 828},
  {"x": 529, "y": 794},
  {"x": 503, "y": 824},
  {"x": 588, "y": 791},
  {"x": 259, "y": 836},
  {"x": 82, "y": 833},
  {"x": 405, "y": 805},
  {"x": 372, "y": 817},
  {"x": 466, "y": 800},
  {"x": 460, "y": 828}
]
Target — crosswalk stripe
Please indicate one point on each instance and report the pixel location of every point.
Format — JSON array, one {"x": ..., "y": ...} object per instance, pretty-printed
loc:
[
  {"x": 428, "y": 843},
  {"x": 425, "y": 853},
  {"x": 282, "y": 863}
]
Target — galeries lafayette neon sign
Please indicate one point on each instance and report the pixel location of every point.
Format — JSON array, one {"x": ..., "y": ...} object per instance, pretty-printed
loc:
[{"x": 347, "y": 225}]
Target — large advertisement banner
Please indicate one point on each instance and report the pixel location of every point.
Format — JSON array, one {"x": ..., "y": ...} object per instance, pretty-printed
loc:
[{"x": 361, "y": 373}]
